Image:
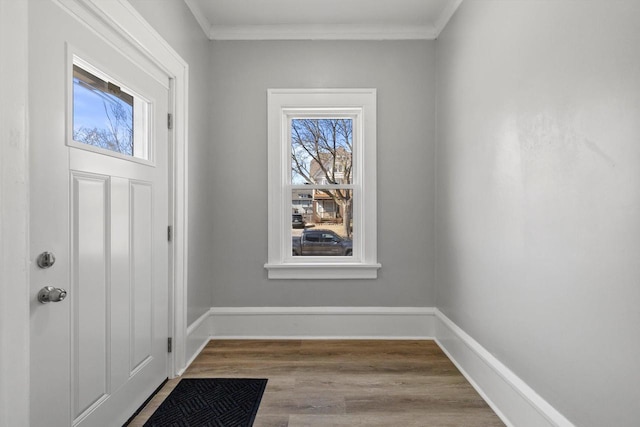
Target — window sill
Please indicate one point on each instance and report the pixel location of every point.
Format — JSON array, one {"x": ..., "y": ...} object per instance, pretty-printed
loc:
[{"x": 323, "y": 271}]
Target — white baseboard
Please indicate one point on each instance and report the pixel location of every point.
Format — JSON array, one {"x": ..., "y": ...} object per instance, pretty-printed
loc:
[
  {"x": 198, "y": 335},
  {"x": 512, "y": 399},
  {"x": 322, "y": 322}
]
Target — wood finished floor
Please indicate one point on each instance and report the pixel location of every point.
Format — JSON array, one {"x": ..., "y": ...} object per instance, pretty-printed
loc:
[{"x": 344, "y": 383}]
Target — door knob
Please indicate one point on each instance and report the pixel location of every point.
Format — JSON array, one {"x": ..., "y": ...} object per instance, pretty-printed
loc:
[{"x": 51, "y": 294}]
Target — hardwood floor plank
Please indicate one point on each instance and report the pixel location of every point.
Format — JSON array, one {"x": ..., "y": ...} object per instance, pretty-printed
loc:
[
  {"x": 272, "y": 421},
  {"x": 422, "y": 403},
  {"x": 444, "y": 419},
  {"x": 292, "y": 402},
  {"x": 449, "y": 386}
]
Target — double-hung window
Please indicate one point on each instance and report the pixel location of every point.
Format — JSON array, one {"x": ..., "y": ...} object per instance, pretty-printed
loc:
[{"x": 322, "y": 184}]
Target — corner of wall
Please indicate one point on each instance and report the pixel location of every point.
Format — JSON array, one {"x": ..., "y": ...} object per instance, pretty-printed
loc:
[{"x": 512, "y": 399}]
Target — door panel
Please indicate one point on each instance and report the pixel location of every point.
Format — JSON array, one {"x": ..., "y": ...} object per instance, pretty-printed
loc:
[
  {"x": 99, "y": 353},
  {"x": 141, "y": 330},
  {"x": 89, "y": 290}
]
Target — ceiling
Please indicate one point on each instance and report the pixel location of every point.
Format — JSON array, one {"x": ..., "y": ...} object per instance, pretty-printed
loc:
[{"x": 322, "y": 19}]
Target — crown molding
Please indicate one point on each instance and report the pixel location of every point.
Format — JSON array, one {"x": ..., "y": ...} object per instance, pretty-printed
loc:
[
  {"x": 200, "y": 16},
  {"x": 321, "y": 32},
  {"x": 446, "y": 15}
]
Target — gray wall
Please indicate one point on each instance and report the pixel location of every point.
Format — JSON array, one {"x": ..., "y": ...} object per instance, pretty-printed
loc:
[
  {"x": 537, "y": 200},
  {"x": 174, "y": 21},
  {"x": 404, "y": 74},
  {"x": 538, "y": 206}
]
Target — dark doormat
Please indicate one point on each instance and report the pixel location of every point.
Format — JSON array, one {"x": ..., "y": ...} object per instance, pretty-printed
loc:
[{"x": 210, "y": 402}]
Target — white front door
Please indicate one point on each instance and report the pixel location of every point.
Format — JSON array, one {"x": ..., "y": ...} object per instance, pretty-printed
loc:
[{"x": 99, "y": 203}]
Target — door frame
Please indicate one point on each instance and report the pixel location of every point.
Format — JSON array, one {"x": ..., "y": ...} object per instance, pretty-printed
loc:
[
  {"x": 120, "y": 24},
  {"x": 14, "y": 215}
]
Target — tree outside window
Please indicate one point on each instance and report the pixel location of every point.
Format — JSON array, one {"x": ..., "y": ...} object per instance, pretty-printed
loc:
[{"x": 321, "y": 154}]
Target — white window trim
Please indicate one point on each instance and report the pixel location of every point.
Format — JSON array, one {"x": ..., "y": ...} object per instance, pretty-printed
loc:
[{"x": 283, "y": 105}]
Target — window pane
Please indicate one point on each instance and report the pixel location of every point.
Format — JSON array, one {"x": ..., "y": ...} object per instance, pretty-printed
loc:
[
  {"x": 322, "y": 222},
  {"x": 321, "y": 151},
  {"x": 102, "y": 113}
]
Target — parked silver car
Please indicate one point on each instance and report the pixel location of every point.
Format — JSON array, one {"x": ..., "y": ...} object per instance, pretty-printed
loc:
[{"x": 321, "y": 243}]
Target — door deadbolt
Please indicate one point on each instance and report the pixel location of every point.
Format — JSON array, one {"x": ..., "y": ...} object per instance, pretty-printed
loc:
[
  {"x": 51, "y": 294},
  {"x": 46, "y": 260}
]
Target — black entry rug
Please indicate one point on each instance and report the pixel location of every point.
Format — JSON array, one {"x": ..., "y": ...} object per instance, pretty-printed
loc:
[{"x": 210, "y": 402}]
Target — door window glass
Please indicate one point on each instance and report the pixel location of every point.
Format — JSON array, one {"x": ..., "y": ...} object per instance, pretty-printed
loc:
[{"x": 108, "y": 116}]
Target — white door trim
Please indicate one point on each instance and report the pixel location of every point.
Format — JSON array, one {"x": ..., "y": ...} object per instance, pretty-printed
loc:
[{"x": 14, "y": 216}]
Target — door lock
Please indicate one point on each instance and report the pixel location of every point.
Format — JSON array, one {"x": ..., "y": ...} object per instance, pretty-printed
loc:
[
  {"x": 46, "y": 260},
  {"x": 51, "y": 294}
]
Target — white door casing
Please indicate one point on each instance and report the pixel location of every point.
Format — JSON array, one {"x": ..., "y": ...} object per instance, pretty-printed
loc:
[
  {"x": 98, "y": 354},
  {"x": 14, "y": 306}
]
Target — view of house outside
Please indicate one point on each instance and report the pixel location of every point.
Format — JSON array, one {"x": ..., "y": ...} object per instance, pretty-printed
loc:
[{"x": 321, "y": 156}]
